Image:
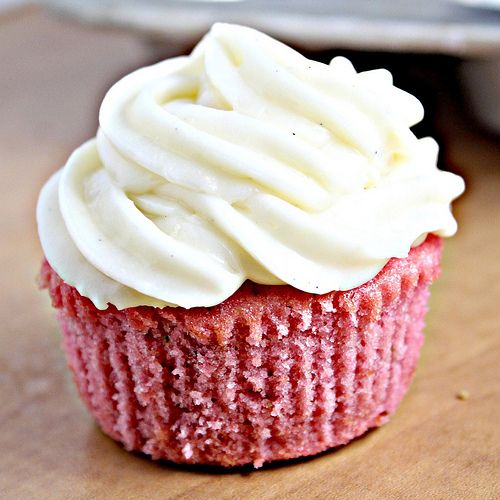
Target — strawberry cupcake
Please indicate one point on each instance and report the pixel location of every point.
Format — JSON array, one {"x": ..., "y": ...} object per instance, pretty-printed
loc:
[{"x": 240, "y": 260}]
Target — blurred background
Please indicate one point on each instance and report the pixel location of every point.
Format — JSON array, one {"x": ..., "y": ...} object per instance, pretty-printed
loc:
[
  {"x": 436, "y": 49},
  {"x": 427, "y": 44},
  {"x": 430, "y": 45}
]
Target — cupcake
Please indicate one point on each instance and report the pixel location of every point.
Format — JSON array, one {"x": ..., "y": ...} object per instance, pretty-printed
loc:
[{"x": 240, "y": 260}]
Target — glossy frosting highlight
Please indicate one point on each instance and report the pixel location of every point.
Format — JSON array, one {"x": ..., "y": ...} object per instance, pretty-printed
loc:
[{"x": 244, "y": 160}]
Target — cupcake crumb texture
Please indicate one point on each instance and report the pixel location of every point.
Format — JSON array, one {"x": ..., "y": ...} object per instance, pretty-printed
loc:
[{"x": 270, "y": 374}]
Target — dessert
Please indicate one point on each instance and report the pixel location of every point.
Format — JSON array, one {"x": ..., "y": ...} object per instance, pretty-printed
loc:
[{"x": 240, "y": 260}]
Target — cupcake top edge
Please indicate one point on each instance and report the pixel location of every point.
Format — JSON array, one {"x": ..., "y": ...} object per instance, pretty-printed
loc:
[{"x": 244, "y": 160}]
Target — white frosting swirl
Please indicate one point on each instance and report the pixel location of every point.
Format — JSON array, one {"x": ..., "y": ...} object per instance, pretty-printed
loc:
[{"x": 244, "y": 160}]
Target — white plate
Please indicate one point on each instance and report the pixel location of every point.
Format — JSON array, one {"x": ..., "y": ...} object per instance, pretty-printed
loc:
[
  {"x": 479, "y": 4},
  {"x": 439, "y": 26}
]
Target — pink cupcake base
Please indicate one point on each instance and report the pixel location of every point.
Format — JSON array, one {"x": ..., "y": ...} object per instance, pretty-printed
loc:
[{"x": 272, "y": 373}]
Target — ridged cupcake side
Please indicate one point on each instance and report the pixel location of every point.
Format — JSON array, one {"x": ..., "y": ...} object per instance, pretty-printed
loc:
[{"x": 271, "y": 373}]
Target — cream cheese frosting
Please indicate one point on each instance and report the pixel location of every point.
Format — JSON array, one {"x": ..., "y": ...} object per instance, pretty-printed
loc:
[{"x": 244, "y": 160}]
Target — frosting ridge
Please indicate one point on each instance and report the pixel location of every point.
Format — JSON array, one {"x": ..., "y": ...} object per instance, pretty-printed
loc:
[{"x": 244, "y": 160}]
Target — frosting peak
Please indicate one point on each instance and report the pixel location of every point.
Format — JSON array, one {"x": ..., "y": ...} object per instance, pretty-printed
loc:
[{"x": 244, "y": 160}]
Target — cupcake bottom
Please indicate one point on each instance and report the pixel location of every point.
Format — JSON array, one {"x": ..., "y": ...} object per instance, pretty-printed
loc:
[{"x": 272, "y": 373}]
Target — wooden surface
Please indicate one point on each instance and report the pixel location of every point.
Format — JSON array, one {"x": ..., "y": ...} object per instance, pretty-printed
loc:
[{"x": 52, "y": 77}]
